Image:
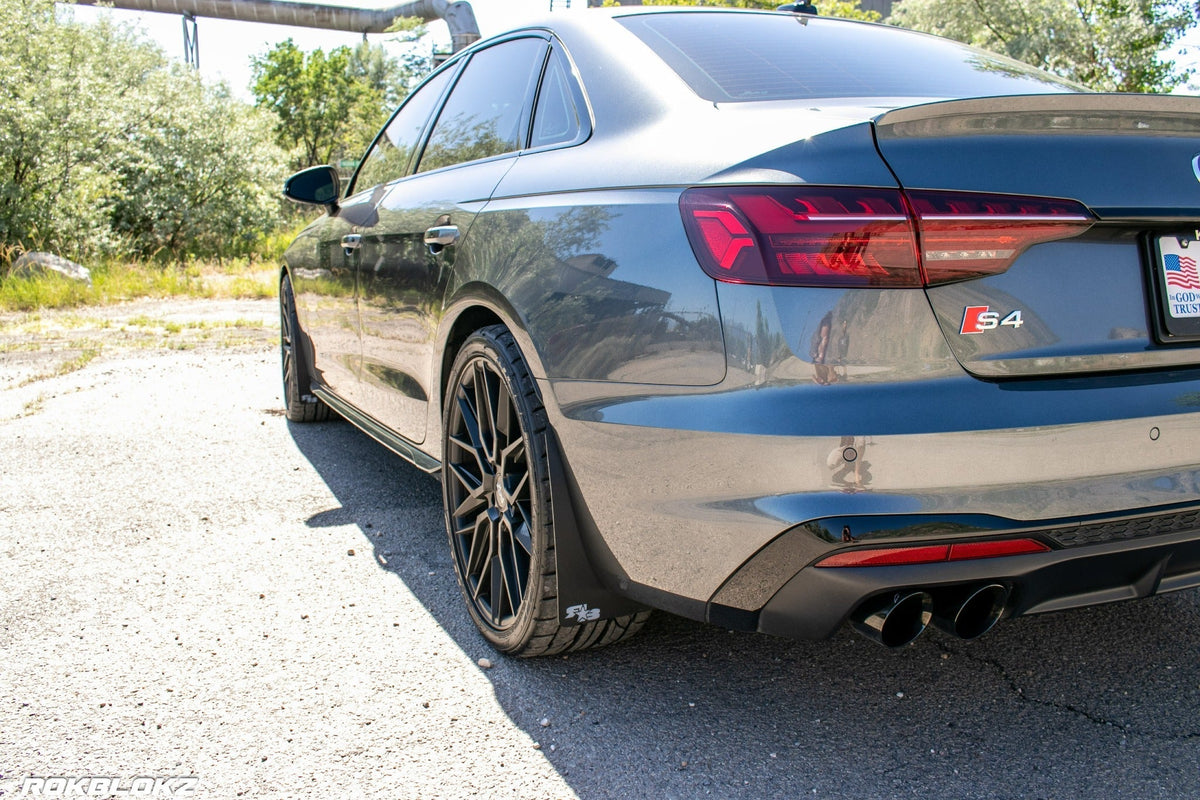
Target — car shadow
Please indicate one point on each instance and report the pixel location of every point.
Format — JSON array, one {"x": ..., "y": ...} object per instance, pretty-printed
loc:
[{"x": 1096, "y": 703}]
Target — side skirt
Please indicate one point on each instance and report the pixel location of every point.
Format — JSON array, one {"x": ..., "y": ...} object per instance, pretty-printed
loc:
[{"x": 377, "y": 431}]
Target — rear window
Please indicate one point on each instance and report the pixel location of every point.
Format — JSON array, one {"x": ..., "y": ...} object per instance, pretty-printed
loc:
[{"x": 731, "y": 57}]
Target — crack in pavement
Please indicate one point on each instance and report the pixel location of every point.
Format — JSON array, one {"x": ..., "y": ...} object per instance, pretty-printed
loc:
[{"x": 1096, "y": 719}]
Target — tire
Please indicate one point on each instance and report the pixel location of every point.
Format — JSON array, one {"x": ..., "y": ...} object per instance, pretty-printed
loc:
[
  {"x": 496, "y": 491},
  {"x": 299, "y": 403}
]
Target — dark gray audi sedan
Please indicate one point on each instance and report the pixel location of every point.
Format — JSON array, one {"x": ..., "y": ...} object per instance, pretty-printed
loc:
[{"x": 769, "y": 320}]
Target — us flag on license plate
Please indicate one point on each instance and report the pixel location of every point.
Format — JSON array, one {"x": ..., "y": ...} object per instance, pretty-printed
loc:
[{"x": 1180, "y": 271}]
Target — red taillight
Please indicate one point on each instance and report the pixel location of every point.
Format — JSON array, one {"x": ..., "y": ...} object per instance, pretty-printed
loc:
[
  {"x": 802, "y": 236},
  {"x": 967, "y": 236},
  {"x": 724, "y": 235},
  {"x": 930, "y": 554},
  {"x": 847, "y": 237}
]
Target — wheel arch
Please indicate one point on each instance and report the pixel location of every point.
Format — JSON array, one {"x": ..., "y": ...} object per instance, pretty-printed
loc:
[{"x": 474, "y": 306}]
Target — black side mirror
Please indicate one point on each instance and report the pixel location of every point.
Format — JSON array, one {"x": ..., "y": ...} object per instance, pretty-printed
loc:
[{"x": 317, "y": 186}]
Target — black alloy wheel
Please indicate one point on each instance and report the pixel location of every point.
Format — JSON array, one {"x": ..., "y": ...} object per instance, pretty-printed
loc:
[
  {"x": 498, "y": 504},
  {"x": 495, "y": 486}
]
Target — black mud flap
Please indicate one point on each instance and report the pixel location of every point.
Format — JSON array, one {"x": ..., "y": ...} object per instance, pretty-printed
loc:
[{"x": 583, "y": 593}]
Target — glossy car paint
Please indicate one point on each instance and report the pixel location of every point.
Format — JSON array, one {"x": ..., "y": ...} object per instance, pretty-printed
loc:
[
  {"x": 700, "y": 439},
  {"x": 1084, "y": 300}
]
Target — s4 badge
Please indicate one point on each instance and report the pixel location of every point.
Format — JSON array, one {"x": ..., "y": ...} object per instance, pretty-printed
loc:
[{"x": 978, "y": 319}]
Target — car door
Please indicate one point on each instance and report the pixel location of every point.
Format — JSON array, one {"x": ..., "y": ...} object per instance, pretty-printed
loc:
[
  {"x": 324, "y": 280},
  {"x": 407, "y": 255},
  {"x": 331, "y": 302}
]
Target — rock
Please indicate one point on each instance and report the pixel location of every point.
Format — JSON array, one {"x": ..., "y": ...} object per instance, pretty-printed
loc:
[
  {"x": 30, "y": 264},
  {"x": 485, "y": 663}
]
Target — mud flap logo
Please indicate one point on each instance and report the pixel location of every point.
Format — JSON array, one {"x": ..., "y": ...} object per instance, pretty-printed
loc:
[{"x": 582, "y": 613}]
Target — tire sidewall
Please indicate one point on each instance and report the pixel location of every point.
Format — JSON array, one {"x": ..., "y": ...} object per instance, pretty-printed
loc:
[{"x": 288, "y": 323}]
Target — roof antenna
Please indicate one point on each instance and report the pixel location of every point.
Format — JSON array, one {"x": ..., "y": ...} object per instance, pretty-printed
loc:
[{"x": 799, "y": 8}]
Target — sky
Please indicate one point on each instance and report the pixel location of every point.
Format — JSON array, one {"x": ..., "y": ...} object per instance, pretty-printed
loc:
[
  {"x": 1189, "y": 55},
  {"x": 226, "y": 47}
]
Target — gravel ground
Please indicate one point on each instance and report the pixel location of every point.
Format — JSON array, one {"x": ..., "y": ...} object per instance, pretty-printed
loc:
[{"x": 191, "y": 586}]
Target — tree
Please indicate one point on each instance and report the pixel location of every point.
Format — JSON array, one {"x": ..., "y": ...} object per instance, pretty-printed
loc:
[
  {"x": 107, "y": 148},
  {"x": 1108, "y": 45},
  {"x": 68, "y": 96},
  {"x": 328, "y": 105},
  {"x": 202, "y": 177}
]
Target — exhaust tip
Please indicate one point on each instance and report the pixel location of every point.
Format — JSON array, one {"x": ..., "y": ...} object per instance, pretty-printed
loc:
[
  {"x": 896, "y": 620},
  {"x": 971, "y": 614}
]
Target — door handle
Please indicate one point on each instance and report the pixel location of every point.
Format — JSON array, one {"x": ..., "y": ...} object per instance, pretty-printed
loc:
[
  {"x": 351, "y": 242},
  {"x": 440, "y": 237}
]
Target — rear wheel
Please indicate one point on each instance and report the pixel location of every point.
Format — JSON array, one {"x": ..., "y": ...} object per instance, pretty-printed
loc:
[
  {"x": 300, "y": 404},
  {"x": 496, "y": 488}
]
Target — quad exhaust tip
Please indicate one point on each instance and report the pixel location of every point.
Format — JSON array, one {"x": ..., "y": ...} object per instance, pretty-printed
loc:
[
  {"x": 895, "y": 620},
  {"x": 972, "y": 612},
  {"x": 898, "y": 619}
]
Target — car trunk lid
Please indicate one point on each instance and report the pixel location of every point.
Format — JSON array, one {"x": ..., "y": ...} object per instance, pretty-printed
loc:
[{"x": 1096, "y": 302}]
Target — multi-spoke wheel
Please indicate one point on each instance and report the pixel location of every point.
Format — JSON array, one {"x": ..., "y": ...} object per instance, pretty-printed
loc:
[
  {"x": 496, "y": 486},
  {"x": 301, "y": 405}
]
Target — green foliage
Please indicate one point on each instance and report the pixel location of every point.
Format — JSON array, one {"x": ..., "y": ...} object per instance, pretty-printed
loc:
[
  {"x": 104, "y": 148},
  {"x": 408, "y": 29},
  {"x": 1108, "y": 45},
  {"x": 328, "y": 105},
  {"x": 202, "y": 177},
  {"x": 70, "y": 96},
  {"x": 844, "y": 9},
  {"x": 847, "y": 10}
]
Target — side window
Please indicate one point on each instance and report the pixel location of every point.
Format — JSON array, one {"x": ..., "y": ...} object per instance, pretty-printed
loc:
[
  {"x": 388, "y": 159},
  {"x": 483, "y": 115},
  {"x": 556, "y": 119}
]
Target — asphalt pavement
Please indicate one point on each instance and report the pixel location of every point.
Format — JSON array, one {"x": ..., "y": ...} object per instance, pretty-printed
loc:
[{"x": 191, "y": 586}]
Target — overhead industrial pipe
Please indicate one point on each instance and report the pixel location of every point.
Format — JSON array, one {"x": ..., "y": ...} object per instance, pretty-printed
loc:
[{"x": 459, "y": 16}]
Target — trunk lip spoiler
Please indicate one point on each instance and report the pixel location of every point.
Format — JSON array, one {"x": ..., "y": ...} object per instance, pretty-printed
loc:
[{"x": 1058, "y": 105}]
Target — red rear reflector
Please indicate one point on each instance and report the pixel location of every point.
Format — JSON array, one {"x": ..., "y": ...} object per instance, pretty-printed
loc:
[
  {"x": 930, "y": 554},
  {"x": 849, "y": 237},
  {"x": 1007, "y": 547},
  {"x": 888, "y": 557}
]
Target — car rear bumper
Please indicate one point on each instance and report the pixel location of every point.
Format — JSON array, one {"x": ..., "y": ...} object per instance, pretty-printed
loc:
[
  {"x": 727, "y": 525},
  {"x": 1138, "y": 563}
]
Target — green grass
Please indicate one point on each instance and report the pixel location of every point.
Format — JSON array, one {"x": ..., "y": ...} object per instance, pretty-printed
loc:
[{"x": 117, "y": 282}]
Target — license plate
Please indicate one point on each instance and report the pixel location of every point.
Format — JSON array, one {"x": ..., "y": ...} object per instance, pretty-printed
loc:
[{"x": 1177, "y": 284}]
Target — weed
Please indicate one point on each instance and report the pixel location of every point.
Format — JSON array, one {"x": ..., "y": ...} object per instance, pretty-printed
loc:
[
  {"x": 65, "y": 368},
  {"x": 34, "y": 406}
]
